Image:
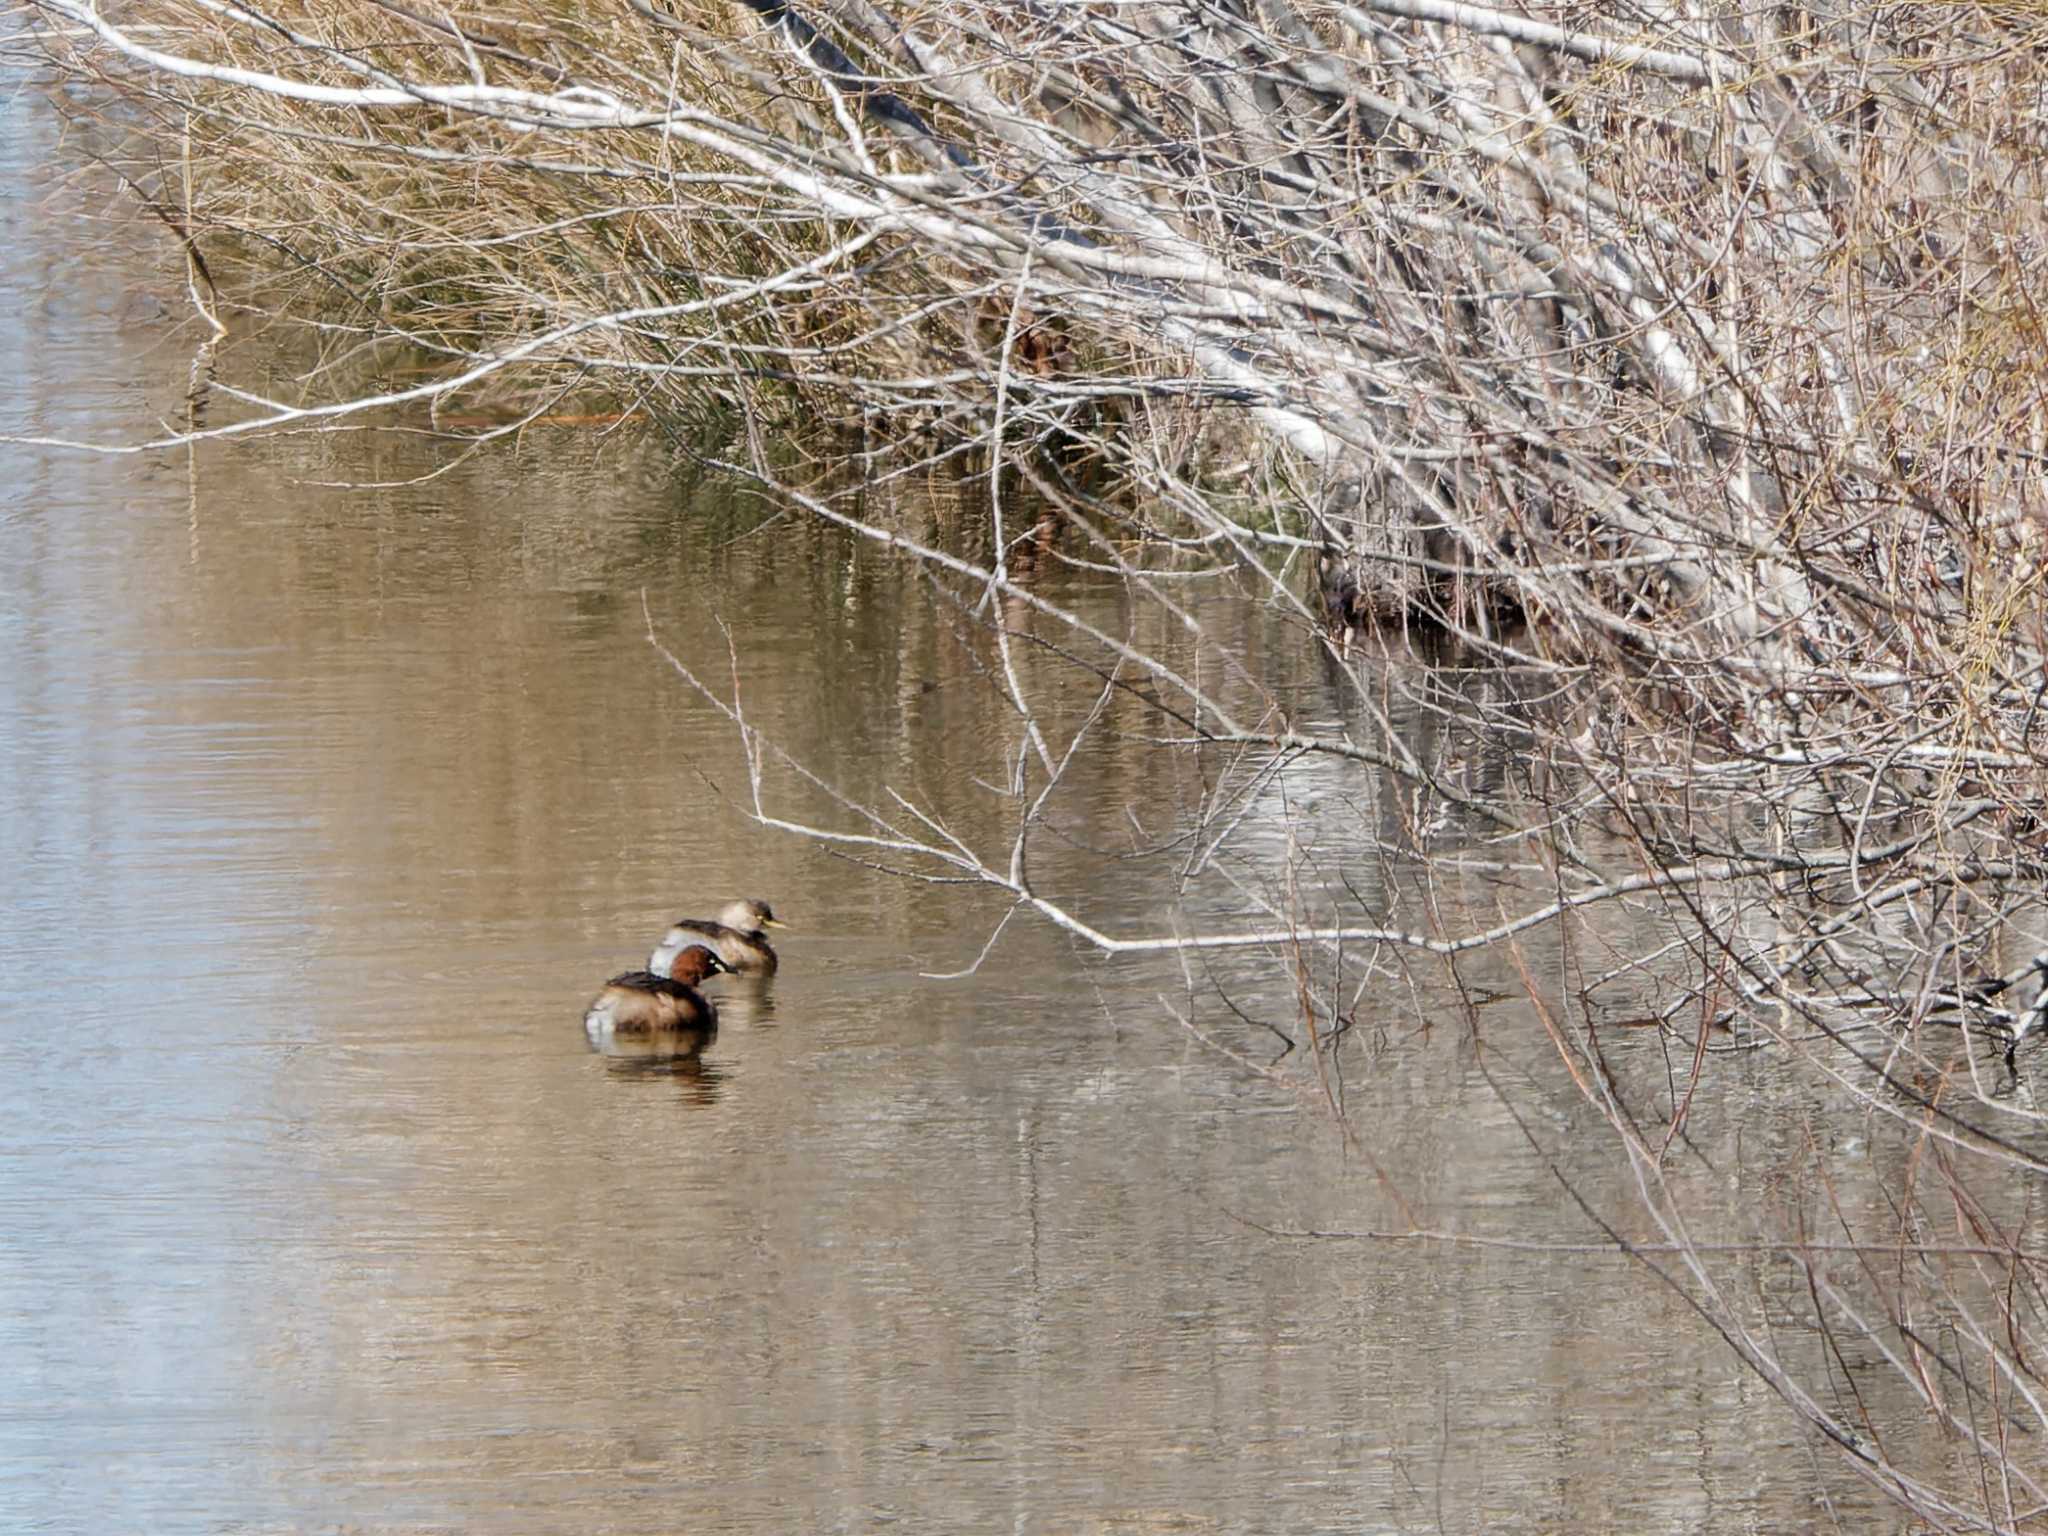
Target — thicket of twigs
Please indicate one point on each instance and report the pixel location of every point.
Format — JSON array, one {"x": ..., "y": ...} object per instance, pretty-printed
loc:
[{"x": 1688, "y": 367}]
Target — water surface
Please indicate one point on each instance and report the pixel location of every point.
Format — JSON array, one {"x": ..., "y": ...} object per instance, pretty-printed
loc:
[{"x": 323, "y": 812}]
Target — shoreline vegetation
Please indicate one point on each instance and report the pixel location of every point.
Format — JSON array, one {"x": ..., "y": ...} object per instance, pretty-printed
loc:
[{"x": 1677, "y": 380}]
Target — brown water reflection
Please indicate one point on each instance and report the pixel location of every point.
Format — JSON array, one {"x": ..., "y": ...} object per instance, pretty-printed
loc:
[{"x": 327, "y": 810}]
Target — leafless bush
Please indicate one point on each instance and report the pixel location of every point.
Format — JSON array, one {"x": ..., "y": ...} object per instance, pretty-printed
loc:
[{"x": 1684, "y": 369}]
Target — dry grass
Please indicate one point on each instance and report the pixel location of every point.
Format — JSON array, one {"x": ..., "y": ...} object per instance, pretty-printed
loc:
[{"x": 1714, "y": 343}]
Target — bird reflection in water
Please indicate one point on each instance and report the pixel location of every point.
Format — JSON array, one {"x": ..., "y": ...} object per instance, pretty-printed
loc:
[{"x": 698, "y": 1082}]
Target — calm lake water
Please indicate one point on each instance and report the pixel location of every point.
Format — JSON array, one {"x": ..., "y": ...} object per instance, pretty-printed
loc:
[{"x": 324, "y": 810}]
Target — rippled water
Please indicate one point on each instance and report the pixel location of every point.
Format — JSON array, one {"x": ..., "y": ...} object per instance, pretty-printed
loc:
[{"x": 324, "y": 810}]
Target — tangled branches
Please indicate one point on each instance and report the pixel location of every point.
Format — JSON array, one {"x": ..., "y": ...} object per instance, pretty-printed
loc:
[{"x": 1685, "y": 369}]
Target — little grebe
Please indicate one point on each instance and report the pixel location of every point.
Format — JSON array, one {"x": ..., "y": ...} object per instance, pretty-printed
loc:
[
  {"x": 649, "y": 1002},
  {"x": 737, "y": 935}
]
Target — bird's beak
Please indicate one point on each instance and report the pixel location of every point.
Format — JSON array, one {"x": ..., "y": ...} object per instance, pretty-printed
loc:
[{"x": 773, "y": 922}]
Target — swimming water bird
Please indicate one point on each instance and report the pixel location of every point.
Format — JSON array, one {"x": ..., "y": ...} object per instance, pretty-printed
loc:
[
  {"x": 738, "y": 935},
  {"x": 650, "y": 1003}
]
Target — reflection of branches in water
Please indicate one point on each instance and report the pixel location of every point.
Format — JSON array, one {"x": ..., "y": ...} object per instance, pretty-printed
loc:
[
  {"x": 1671, "y": 897},
  {"x": 1732, "y": 389}
]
